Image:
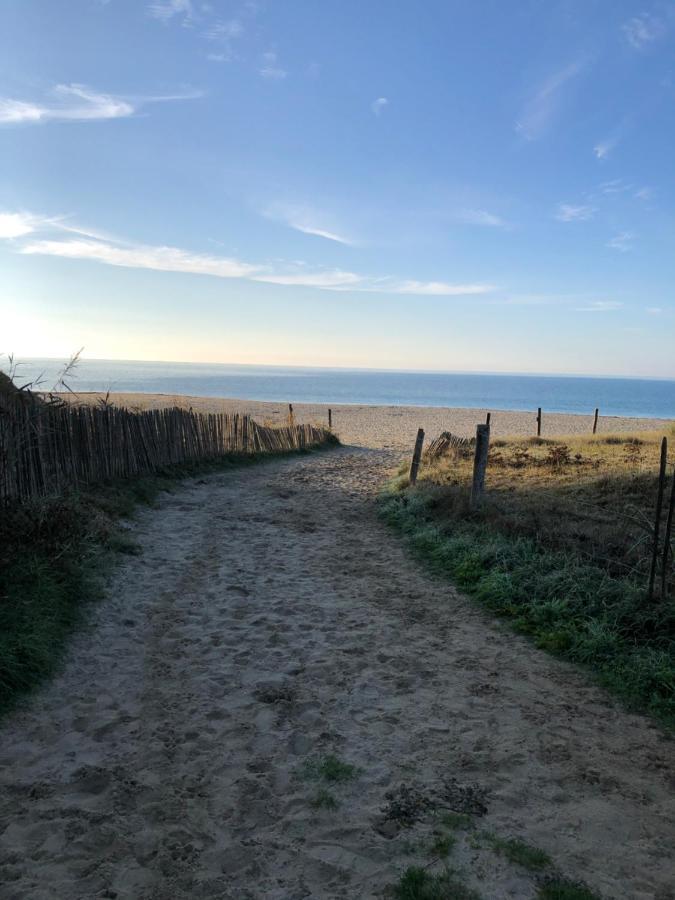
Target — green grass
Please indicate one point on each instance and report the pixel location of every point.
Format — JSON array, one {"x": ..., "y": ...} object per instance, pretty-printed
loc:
[
  {"x": 323, "y": 799},
  {"x": 442, "y": 845},
  {"x": 562, "y": 889},
  {"x": 417, "y": 883},
  {"x": 455, "y": 821},
  {"x": 518, "y": 852},
  {"x": 330, "y": 768},
  {"x": 566, "y": 604},
  {"x": 53, "y": 554}
]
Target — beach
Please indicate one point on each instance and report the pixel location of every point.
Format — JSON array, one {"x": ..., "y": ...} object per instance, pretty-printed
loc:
[{"x": 389, "y": 427}]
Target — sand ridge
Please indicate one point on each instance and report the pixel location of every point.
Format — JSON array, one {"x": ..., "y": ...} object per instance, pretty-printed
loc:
[{"x": 272, "y": 618}]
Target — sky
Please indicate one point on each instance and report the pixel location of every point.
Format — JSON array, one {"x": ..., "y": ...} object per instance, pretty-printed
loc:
[{"x": 445, "y": 185}]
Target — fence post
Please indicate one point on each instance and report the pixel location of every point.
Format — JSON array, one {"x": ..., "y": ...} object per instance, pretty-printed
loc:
[
  {"x": 595, "y": 420},
  {"x": 417, "y": 453},
  {"x": 480, "y": 464},
  {"x": 487, "y": 419},
  {"x": 666, "y": 541},
  {"x": 539, "y": 421},
  {"x": 330, "y": 417},
  {"x": 657, "y": 519},
  {"x": 291, "y": 417}
]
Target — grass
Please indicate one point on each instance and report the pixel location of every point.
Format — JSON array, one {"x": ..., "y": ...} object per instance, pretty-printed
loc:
[
  {"x": 519, "y": 853},
  {"x": 418, "y": 883},
  {"x": 323, "y": 799},
  {"x": 52, "y": 556},
  {"x": 558, "y": 888},
  {"x": 330, "y": 768},
  {"x": 442, "y": 845},
  {"x": 455, "y": 821},
  {"x": 558, "y": 548}
]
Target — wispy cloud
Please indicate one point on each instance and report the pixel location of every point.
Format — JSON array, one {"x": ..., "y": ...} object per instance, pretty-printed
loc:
[
  {"x": 604, "y": 148},
  {"x": 26, "y": 234},
  {"x": 77, "y": 103},
  {"x": 14, "y": 225},
  {"x": 644, "y": 193},
  {"x": 540, "y": 109},
  {"x": 568, "y": 213},
  {"x": 600, "y": 306},
  {"x": 165, "y": 10},
  {"x": 270, "y": 67},
  {"x": 654, "y": 310},
  {"x": 481, "y": 217},
  {"x": 640, "y": 31},
  {"x": 306, "y": 220},
  {"x": 623, "y": 242},
  {"x": 378, "y": 106}
]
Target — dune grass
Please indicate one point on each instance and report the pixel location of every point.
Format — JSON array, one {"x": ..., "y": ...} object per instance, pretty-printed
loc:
[{"x": 560, "y": 547}]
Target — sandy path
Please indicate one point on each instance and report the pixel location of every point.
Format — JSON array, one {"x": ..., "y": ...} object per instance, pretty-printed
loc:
[{"x": 155, "y": 765}]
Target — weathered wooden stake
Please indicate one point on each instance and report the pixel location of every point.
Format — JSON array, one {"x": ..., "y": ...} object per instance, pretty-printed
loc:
[
  {"x": 417, "y": 454},
  {"x": 595, "y": 420},
  {"x": 666, "y": 541},
  {"x": 539, "y": 421},
  {"x": 487, "y": 418},
  {"x": 330, "y": 417},
  {"x": 480, "y": 464},
  {"x": 657, "y": 519},
  {"x": 291, "y": 417}
]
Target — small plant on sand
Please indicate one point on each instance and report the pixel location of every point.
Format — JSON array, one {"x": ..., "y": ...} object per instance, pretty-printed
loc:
[
  {"x": 330, "y": 768},
  {"x": 455, "y": 821},
  {"x": 518, "y": 852},
  {"x": 557, "y": 888},
  {"x": 323, "y": 799},
  {"x": 417, "y": 883},
  {"x": 442, "y": 845}
]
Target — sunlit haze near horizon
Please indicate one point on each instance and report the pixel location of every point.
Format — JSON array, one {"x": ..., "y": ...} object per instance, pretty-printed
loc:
[{"x": 482, "y": 187}]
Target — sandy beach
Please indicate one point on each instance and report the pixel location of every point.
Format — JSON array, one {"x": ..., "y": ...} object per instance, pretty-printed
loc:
[{"x": 391, "y": 427}]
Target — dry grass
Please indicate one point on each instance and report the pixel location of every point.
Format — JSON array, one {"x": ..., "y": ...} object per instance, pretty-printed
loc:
[{"x": 593, "y": 496}]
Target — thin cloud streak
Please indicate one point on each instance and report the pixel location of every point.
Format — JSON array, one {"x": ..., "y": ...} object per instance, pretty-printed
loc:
[
  {"x": 570, "y": 213},
  {"x": 539, "y": 110},
  {"x": 78, "y": 103},
  {"x": 623, "y": 242},
  {"x": 481, "y": 217},
  {"x": 306, "y": 221},
  {"x": 16, "y": 228}
]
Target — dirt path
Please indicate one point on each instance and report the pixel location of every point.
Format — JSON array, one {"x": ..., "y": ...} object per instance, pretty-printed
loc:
[{"x": 272, "y": 619}]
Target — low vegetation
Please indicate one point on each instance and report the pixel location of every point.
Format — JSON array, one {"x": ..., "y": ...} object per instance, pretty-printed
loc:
[{"x": 561, "y": 547}]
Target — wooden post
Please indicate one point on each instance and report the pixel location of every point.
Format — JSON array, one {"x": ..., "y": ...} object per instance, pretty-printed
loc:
[
  {"x": 657, "y": 519},
  {"x": 480, "y": 464},
  {"x": 417, "y": 453},
  {"x": 291, "y": 418},
  {"x": 487, "y": 419},
  {"x": 539, "y": 421},
  {"x": 595, "y": 420},
  {"x": 330, "y": 418},
  {"x": 666, "y": 542}
]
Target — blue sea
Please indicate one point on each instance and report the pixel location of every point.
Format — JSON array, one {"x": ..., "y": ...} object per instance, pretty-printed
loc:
[{"x": 614, "y": 396}]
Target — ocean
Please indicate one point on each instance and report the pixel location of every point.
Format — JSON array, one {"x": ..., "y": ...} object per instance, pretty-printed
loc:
[{"x": 640, "y": 397}]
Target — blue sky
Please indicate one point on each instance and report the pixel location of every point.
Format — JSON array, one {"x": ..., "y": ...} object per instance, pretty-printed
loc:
[{"x": 481, "y": 186}]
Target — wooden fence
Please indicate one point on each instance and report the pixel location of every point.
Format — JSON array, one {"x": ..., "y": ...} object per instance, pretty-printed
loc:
[{"x": 46, "y": 448}]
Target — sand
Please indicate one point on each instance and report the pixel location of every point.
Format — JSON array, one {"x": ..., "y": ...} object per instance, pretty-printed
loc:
[
  {"x": 393, "y": 427},
  {"x": 272, "y": 619}
]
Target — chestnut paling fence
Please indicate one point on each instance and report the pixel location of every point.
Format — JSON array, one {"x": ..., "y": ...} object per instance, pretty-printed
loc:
[{"x": 45, "y": 448}]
